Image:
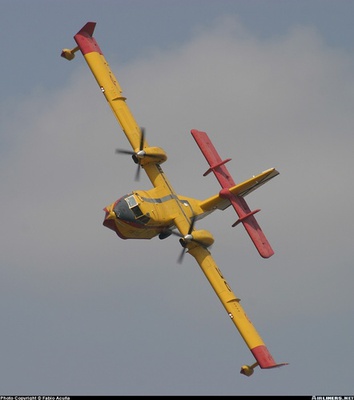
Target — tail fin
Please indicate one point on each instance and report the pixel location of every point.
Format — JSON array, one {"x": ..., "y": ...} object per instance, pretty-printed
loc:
[{"x": 234, "y": 193}]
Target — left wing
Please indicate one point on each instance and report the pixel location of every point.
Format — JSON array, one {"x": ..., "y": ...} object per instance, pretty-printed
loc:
[
  {"x": 234, "y": 309},
  {"x": 107, "y": 82},
  {"x": 113, "y": 93},
  {"x": 146, "y": 156}
]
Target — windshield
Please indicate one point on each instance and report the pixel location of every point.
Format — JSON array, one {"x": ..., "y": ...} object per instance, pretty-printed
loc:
[{"x": 133, "y": 205}]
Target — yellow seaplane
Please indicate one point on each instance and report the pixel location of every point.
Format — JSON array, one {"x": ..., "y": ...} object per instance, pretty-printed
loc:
[{"x": 160, "y": 211}]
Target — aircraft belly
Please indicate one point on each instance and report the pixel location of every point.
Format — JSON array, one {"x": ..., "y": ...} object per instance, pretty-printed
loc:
[
  {"x": 127, "y": 230},
  {"x": 133, "y": 231}
]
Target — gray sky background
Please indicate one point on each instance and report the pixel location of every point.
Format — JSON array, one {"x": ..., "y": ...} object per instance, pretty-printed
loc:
[{"x": 84, "y": 312}]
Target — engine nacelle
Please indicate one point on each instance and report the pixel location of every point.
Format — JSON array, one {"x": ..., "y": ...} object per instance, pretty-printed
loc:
[
  {"x": 200, "y": 236},
  {"x": 151, "y": 155}
]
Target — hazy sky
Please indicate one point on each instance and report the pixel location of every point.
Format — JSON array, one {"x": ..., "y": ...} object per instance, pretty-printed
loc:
[{"x": 84, "y": 312}]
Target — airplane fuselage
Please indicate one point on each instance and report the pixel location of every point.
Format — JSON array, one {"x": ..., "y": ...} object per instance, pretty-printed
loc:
[{"x": 144, "y": 214}]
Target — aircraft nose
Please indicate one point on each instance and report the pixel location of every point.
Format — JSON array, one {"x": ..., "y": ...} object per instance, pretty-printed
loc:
[
  {"x": 109, "y": 219},
  {"x": 110, "y": 214}
]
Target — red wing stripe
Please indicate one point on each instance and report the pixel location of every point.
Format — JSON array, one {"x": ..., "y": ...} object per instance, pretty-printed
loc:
[
  {"x": 264, "y": 358},
  {"x": 85, "y": 40}
]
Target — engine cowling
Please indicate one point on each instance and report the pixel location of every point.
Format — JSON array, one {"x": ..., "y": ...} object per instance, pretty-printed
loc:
[
  {"x": 151, "y": 155},
  {"x": 200, "y": 236}
]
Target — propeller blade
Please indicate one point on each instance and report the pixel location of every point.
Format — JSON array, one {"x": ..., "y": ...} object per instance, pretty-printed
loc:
[
  {"x": 180, "y": 258},
  {"x": 137, "y": 173},
  {"x": 191, "y": 226},
  {"x": 142, "y": 138},
  {"x": 186, "y": 238},
  {"x": 135, "y": 154},
  {"x": 122, "y": 151}
]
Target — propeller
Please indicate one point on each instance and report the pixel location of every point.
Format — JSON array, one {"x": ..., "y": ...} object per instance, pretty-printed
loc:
[
  {"x": 136, "y": 156},
  {"x": 141, "y": 153},
  {"x": 185, "y": 239}
]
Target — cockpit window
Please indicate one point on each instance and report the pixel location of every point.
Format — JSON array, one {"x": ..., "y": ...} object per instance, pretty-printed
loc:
[
  {"x": 131, "y": 201},
  {"x": 133, "y": 205}
]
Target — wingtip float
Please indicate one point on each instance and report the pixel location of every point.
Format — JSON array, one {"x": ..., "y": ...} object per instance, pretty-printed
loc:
[
  {"x": 85, "y": 41},
  {"x": 161, "y": 212}
]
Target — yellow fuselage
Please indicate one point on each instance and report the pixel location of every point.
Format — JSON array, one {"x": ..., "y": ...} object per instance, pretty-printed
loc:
[{"x": 143, "y": 214}]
